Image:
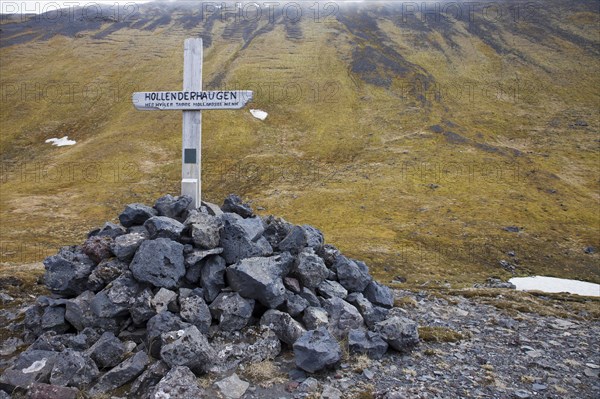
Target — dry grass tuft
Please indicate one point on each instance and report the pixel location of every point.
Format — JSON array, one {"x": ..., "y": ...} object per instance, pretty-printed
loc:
[
  {"x": 264, "y": 374},
  {"x": 439, "y": 334}
]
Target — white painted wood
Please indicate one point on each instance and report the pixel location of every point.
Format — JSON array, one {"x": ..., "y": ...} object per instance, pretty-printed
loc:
[
  {"x": 191, "y": 100},
  {"x": 192, "y": 121}
]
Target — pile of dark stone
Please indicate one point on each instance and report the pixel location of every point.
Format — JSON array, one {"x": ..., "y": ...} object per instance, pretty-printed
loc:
[{"x": 173, "y": 292}]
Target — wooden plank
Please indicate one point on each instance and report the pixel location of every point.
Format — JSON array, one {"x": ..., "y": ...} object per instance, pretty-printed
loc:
[
  {"x": 191, "y": 100},
  {"x": 192, "y": 121}
]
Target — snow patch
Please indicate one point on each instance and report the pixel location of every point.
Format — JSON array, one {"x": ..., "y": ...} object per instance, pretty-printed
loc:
[
  {"x": 554, "y": 285},
  {"x": 259, "y": 114},
  {"x": 61, "y": 142}
]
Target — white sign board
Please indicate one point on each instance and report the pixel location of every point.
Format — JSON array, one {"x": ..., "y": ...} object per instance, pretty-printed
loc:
[{"x": 191, "y": 100}]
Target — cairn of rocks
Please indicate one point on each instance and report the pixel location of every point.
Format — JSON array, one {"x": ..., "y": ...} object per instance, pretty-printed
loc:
[{"x": 173, "y": 292}]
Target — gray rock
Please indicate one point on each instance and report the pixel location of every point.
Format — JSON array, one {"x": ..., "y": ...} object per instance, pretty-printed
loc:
[
  {"x": 80, "y": 315},
  {"x": 316, "y": 350},
  {"x": 194, "y": 262},
  {"x": 292, "y": 284},
  {"x": 108, "y": 351},
  {"x": 161, "y": 323},
  {"x": 98, "y": 248},
  {"x": 159, "y": 262},
  {"x": 232, "y": 387},
  {"x": 331, "y": 289},
  {"x": 399, "y": 332},
  {"x": 140, "y": 307},
  {"x": 234, "y": 204},
  {"x": 205, "y": 229},
  {"x": 173, "y": 207},
  {"x": 73, "y": 369},
  {"x": 330, "y": 392},
  {"x": 368, "y": 342},
  {"x": 285, "y": 327},
  {"x": 212, "y": 277},
  {"x": 31, "y": 366},
  {"x": 188, "y": 348},
  {"x": 212, "y": 209},
  {"x": 242, "y": 238},
  {"x": 294, "y": 241},
  {"x": 309, "y": 385},
  {"x": 136, "y": 214},
  {"x": 309, "y": 268},
  {"x": 113, "y": 300},
  {"x": 260, "y": 278},
  {"x": 11, "y": 345},
  {"x": 68, "y": 271},
  {"x": 232, "y": 311},
  {"x": 125, "y": 372},
  {"x": 352, "y": 275},
  {"x": 162, "y": 299},
  {"x": 124, "y": 246},
  {"x": 145, "y": 383},
  {"x": 315, "y": 317},
  {"x": 105, "y": 272},
  {"x": 53, "y": 319},
  {"x": 276, "y": 229},
  {"x": 109, "y": 230},
  {"x": 379, "y": 294},
  {"x": 294, "y": 304},
  {"x": 47, "y": 391},
  {"x": 343, "y": 317},
  {"x": 311, "y": 297},
  {"x": 371, "y": 314},
  {"x": 195, "y": 311},
  {"x": 164, "y": 227},
  {"x": 328, "y": 253},
  {"x": 179, "y": 383}
]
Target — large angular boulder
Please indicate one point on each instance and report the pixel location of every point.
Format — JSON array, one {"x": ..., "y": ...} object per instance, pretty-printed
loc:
[
  {"x": 40, "y": 390},
  {"x": 300, "y": 237},
  {"x": 242, "y": 238},
  {"x": 164, "y": 227},
  {"x": 53, "y": 319},
  {"x": 204, "y": 229},
  {"x": 108, "y": 230},
  {"x": 98, "y": 248},
  {"x": 231, "y": 311},
  {"x": 316, "y": 350},
  {"x": 188, "y": 347},
  {"x": 276, "y": 229},
  {"x": 80, "y": 315},
  {"x": 331, "y": 289},
  {"x": 315, "y": 317},
  {"x": 179, "y": 383},
  {"x": 163, "y": 299},
  {"x": 163, "y": 322},
  {"x": 294, "y": 304},
  {"x": 108, "y": 351},
  {"x": 73, "y": 369},
  {"x": 343, "y": 317},
  {"x": 195, "y": 311},
  {"x": 260, "y": 278},
  {"x": 159, "y": 262},
  {"x": 124, "y": 246},
  {"x": 309, "y": 268},
  {"x": 285, "y": 327},
  {"x": 68, "y": 271},
  {"x": 140, "y": 307},
  {"x": 113, "y": 301},
  {"x": 367, "y": 342},
  {"x": 106, "y": 271},
  {"x": 136, "y": 214},
  {"x": 352, "y": 275},
  {"x": 212, "y": 276},
  {"x": 379, "y": 294},
  {"x": 125, "y": 372},
  {"x": 234, "y": 204},
  {"x": 143, "y": 386},
  {"x": 31, "y": 366},
  {"x": 399, "y": 332},
  {"x": 174, "y": 207}
]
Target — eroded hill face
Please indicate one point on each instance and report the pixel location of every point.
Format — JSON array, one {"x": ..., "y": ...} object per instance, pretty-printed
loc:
[{"x": 411, "y": 140}]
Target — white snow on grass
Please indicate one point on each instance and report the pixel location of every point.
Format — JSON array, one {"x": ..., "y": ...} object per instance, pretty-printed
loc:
[
  {"x": 61, "y": 142},
  {"x": 259, "y": 114},
  {"x": 553, "y": 285}
]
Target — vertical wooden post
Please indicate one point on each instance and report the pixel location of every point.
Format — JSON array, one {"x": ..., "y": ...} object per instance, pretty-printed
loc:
[{"x": 191, "y": 159}]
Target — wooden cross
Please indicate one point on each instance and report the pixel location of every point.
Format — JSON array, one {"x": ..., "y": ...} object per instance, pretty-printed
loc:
[{"x": 191, "y": 101}]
